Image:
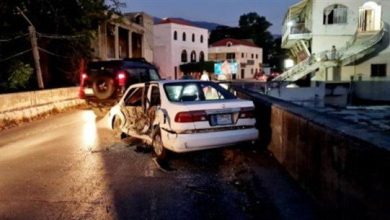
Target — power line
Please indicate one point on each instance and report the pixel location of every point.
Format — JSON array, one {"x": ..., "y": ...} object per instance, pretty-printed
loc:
[
  {"x": 18, "y": 54},
  {"x": 53, "y": 54},
  {"x": 14, "y": 38},
  {"x": 60, "y": 37}
]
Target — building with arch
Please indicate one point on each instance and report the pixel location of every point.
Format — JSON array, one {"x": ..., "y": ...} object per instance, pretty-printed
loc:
[
  {"x": 340, "y": 41},
  {"x": 178, "y": 42}
]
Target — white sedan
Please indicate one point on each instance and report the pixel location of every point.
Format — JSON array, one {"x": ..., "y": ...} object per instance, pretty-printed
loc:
[{"x": 183, "y": 116}]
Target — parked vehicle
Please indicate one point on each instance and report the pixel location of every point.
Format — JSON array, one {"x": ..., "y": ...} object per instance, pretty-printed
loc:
[
  {"x": 183, "y": 116},
  {"x": 104, "y": 82}
]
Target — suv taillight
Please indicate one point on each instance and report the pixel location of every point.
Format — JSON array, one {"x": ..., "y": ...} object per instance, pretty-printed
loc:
[
  {"x": 121, "y": 76},
  {"x": 192, "y": 116},
  {"x": 247, "y": 112}
]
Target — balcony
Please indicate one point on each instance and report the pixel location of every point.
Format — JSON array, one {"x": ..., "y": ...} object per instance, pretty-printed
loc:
[
  {"x": 294, "y": 32},
  {"x": 297, "y": 23}
]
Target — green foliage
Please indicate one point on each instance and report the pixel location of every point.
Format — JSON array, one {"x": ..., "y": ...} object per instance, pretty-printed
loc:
[
  {"x": 19, "y": 75},
  {"x": 77, "y": 18}
]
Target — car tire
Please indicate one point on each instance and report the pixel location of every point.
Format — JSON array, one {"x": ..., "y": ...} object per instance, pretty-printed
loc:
[
  {"x": 103, "y": 87},
  {"x": 116, "y": 127},
  {"x": 158, "y": 148}
]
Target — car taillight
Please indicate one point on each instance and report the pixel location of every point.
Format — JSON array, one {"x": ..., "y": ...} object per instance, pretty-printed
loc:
[
  {"x": 192, "y": 116},
  {"x": 83, "y": 77},
  {"x": 247, "y": 112},
  {"x": 121, "y": 76}
]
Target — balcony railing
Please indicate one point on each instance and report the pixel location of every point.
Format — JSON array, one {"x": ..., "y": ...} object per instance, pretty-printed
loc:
[{"x": 295, "y": 29}]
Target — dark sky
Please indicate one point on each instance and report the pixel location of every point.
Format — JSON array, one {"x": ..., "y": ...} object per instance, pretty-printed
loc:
[{"x": 225, "y": 12}]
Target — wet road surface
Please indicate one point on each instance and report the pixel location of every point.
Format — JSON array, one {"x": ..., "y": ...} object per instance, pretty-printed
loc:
[{"x": 69, "y": 166}]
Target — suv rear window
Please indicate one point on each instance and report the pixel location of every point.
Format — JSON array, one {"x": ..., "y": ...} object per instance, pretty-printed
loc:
[{"x": 137, "y": 75}]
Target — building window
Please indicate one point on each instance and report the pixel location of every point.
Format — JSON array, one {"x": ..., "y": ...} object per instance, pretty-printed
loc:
[
  {"x": 252, "y": 55},
  {"x": 335, "y": 14},
  {"x": 175, "y": 35},
  {"x": 242, "y": 55},
  {"x": 201, "y": 56},
  {"x": 230, "y": 56},
  {"x": 229, "y": 44},
  {"x": 201, "y": 38},
  {"x": 193, "y": 56},
  {"x": 193, "y": 37},
  {"x": 378, "y": 70},
  {"x": 184, "y": 36},
  {"x": 257, "y": 56},
  {"x": 184, "y": 56}
]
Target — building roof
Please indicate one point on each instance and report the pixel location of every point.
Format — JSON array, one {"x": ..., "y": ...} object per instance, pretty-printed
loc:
[
  {"x": 175, "y": 21},
  {"x": 232, "y": 42}
]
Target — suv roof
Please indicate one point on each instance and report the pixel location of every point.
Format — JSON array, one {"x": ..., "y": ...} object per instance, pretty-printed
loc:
[{"x": 127, "y": 62}]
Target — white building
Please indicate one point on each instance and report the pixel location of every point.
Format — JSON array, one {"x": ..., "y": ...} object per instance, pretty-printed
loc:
[
  {"x": 178, "y": 42},
  {"x": 127, "y": 36},
  {"x": 358, "y": 30},
  {"x": 248, "y": 56}
]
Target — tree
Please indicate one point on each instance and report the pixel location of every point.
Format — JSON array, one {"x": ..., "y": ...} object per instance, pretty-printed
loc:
[{"x": 65, "y": 30}]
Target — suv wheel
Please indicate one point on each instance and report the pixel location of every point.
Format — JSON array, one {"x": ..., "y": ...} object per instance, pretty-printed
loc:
[{"x": 103, "y": 87}]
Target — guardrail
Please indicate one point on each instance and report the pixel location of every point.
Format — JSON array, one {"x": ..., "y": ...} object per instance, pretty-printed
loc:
[{"x": 24, "y": 106}]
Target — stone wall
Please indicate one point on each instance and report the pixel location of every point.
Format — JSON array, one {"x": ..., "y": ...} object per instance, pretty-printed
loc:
[
  {"x": 25, "y": 106},
  {"x": 344, "y": 166}
]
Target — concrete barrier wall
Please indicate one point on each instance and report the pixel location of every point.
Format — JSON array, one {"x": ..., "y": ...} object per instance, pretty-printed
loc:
[
  {"x": 27, "y": 105},
  {"x": 344, "y": 166}
]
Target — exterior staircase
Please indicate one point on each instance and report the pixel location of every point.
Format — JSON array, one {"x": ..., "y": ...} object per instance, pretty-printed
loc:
[{"x": 361, "y": 45}]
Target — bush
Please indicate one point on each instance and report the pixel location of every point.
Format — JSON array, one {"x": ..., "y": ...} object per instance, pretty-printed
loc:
[{"x": 19, "y": 75}]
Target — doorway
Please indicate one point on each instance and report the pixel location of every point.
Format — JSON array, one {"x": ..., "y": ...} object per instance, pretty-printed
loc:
[{"x": 370, "y": 17}]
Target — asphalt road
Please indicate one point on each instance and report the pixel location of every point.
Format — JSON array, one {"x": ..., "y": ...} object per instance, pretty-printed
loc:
[{"x": 69, "y": 166}]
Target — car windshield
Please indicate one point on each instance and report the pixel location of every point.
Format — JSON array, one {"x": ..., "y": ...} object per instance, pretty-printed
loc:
[{"x": 196, "y": 91}]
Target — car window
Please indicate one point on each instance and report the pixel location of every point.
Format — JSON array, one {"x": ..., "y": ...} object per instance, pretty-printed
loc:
[
  {"x": 135, "y": 98},
  {"x": 137, "y": 75},
  {"x": 211, "y": 93},
  {"x": 196, "y": 91},
  {"x": 153, "y": 75}
]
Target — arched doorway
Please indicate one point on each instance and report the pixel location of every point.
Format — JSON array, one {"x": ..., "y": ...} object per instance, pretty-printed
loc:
[{"x": 370, "y": 17}]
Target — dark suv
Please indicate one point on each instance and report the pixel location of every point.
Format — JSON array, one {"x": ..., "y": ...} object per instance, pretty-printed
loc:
[{"x": 105, "y": 81}]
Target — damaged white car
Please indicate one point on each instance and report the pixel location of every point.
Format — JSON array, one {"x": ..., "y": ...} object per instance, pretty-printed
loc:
[{"x": 183, "y": 116}]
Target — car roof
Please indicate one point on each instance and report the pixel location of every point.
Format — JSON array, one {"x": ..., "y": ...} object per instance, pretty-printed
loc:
[
  {"x": 162, "y": 82},
  {"x": 182, "y": 81}
]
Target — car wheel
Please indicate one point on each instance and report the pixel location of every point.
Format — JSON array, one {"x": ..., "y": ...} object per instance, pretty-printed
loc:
[
  {"x": 103, "y": 87},
  {"x": 159, "y": 150},
  {"x": 116, "y": 127}
]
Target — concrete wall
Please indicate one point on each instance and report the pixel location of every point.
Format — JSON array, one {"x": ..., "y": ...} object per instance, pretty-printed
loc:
[
  {"x": 344, "y": 166},
  {"x": 371, "y": 90},
  {"x": 27, "y": 105},
  {"x": 306, "y": 96}
]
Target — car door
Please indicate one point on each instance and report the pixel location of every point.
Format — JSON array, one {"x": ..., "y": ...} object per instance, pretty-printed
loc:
[
  {"x": 153, "y": 103},
  {"x": 136, "y": 119}
]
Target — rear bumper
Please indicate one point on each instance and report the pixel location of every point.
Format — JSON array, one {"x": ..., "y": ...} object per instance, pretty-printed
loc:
[{"x": 201, "y": 141}]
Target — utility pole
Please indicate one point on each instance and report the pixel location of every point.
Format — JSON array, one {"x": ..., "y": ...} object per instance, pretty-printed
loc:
[
  {"x": 35, "y": 51},
  {"x": 34, "y": 44}
]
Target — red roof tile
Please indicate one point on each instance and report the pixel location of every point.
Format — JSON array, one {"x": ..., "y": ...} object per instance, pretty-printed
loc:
[
  {"x": 224, "y": 42},
  {"x": 175, "y": 21}
]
